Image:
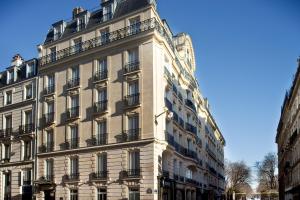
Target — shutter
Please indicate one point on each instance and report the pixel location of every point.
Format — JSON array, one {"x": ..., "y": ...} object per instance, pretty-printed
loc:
[{"x": 19, "y": 178}]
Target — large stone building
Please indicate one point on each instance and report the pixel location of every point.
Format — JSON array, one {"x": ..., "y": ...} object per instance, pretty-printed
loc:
[
  {"x": 119, "y": 112},
  {"x": 288, "y": 141},
  {"x": 17, "y": 115}
]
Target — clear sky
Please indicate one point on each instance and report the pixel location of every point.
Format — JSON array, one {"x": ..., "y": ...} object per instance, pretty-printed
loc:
[{"x": 246, "y": 52}]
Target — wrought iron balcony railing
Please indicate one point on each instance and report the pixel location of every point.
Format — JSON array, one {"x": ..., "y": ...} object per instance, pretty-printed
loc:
[
  {"x": 73, "y": 112},
  {"x": 5, "y": 133},
  {"x": 49, "y": 177},
  {"x": 131, "y": 135},
  {"x": 149, "y": 24},
  {"x": 169, "y": 138},
  {"x": 47, "y": 147},
  {"x": 72, "y": 177},
  {"x": 100, "y": 106},
  {"x": 132, "y": 173},
  {"x": 100, "y": 139},
  {"x": 132, "y": 66},
  {"x": 74, "y": 82},
  {"x": 100, "y": 75},
  {"x": 71, "y": 144},
  {"x": 26, "y": 129},
  {"x": 99, "y": 175},
  {"x": 191, "y": 128},
  {"x": 49, "y": 118},
  {"x": 49, "y": 90},
  {"x": 132, "y": 100}
]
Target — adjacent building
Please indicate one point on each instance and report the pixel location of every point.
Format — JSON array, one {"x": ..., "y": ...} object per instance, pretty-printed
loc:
[
  {"x": 288, "y": 142},
  {"x": 115, "y": 113},
  {"x": 18, "y": 94}
]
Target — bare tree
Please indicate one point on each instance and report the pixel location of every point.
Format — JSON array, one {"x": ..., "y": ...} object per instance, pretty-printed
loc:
[
  {"x": 238, "y": 175},
  {"x": 266, "y": 176}
]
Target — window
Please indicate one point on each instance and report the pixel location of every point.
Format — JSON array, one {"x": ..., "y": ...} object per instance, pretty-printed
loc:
[
  {"x": 134, "y": 163},
  {"x": 74, "y": 136},
  {"x": 133, "y": 94},
  {"x": 49, "y": 141},
  {"x": 101, "y": 133},
  {"x": 30, "y": 70},
  {"x": 53, "y": 54},
  {"x": 27, "y": 150},
  {"x": 49, "y": 170},
  {"x": 107, "y": 12},
  {"x": 57, "y": 32},
  {"x": 189, "y": 174},
  {"x": 28, "y": 118},
  {"x": 81, "y": 24},
  {"x": 8, "y": 97},
  {"x": 73, "y": 194},
  {"x": 77, "y": 45},
  {"x": 8, "y": 122},
  {"x": 74, "y": 167},
  {"x": 74, "y": 107},
  {"x": 133, "y": 56},
  {"x": 104, "y": 36},
  {"x": 102, "y": 95},
  {"x": 133, "y": 88},
  {"x": 134, "y": 194},
  {"x": 28, "y": 92},
  {"x": 135, "y": 25},
  {"x": 101, "y": 194},
  {"x": 27, "y": 177},
  {"x": 6, "y": 152},
  {"x": 50, "y": 84},
  {"x": 102, "y": 163},
  {"x": 101, "y": 71},
  {"x": 7, "y": 185},
  {"x": 10, "y": 77},
  {"x": 133, "y": 127}
]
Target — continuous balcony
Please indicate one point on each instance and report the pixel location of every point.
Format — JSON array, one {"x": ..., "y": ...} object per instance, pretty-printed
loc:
[
  {"x": 100, "y": 75},
  {"x": 26, "y": 129},
  {"x": 147, "y": 25},
  {"x": 130, "y": 135},
  {"x": 132, "y": 173},
  {"x": 190, "y": 128},
  {"x": 190, "y": 104},
  {"x": 132, "y": 100},
  {"x": 169, "y": 138},
  {"x": 99, "y": 175},
  {"x": 100, "y": 107},
  {"x": 47, "y": 147},
  {"x": 74, "y": 82},
  {"x": 132, "y": 67},
  {"x": 73, "y": 113},
  {"x": 48, "y": 118},
  {"x": 49, "y": 90}
]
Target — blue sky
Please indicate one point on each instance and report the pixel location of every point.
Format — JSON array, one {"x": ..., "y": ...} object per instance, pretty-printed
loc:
[{"x": 246, "y": 52}]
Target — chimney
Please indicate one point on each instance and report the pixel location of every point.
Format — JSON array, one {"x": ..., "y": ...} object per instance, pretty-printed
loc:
[
  {"x": 17, "y": 60},
  {"x": 76, "y": 11}
]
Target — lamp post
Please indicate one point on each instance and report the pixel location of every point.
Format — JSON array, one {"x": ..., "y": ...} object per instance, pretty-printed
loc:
[{"x": 166, "y": 110}]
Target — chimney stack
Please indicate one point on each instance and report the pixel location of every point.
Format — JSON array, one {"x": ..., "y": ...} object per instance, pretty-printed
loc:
[
  {"x": 17, "y": 60},
  {"x": 77, "y": 11}
]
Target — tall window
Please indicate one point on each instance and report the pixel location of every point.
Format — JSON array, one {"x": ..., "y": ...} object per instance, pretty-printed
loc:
[
  {"x": 73, "y": 194},
  {"x": 8, "y": 122},
  {"x": 10, "y": 77},
  {"x": 102, "y": 95},
  {"x": 49, "y": 170},
  {"x": 74, "y": 101},
  {"x": 133, "y": 56},
  {"x": 188, "y": 174},
  {"x": 175, "y": 166},
  {"x": 29, "y": 70},
  {"x": 102, "y": 68},
  {"x": 134, "y": 163},
  {"x": 135, "y": 25},
  {"x": 133, "y": 122},
  {"x": 74, "y": 136},
  {"x": 53, "y": 54},
  {"x": 102, "y": 163},
  {"x": 50, "y": 107},
  {"x": 7, "y": 152},
  {"x": 134, "y": 194},
  {"x": 133, "y": 87},
  {"x": 81, "y": 24},
  {"x": 77, "y": 45},
  {"x": 7, "y": 185},
  {"x": 28, "y": 117},
  {"x": 104, "y": 36},
  {"x": 8, "y": 97},
  {"x": 75, "y": 72},
  {"x": 74, "y": 167},
  {"x": 101, "y": 133},
  {"x": 27, "y": 150},
  {"x": 27, "y": 177},
  {"x": 107, "y": 12},
  {"x": 50, "y": 84},
  {"x": 101, "y": 194},
  {"x": 28, "y": 91},
  {"x": 49, "y": 141}
]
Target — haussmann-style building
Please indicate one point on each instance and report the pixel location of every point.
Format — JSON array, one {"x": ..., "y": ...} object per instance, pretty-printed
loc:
[
  {"x": 288, "y": 142},
  {"x": 113, "y": 111}
]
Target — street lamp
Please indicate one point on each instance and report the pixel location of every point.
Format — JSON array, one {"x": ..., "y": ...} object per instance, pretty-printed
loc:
[{"x": 166, "y": 110}]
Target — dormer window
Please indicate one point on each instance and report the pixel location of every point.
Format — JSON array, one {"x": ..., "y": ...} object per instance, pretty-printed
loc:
[
  {"x": 107, "y": 12},
  {"x": 10, "y": 77},
  {"x": 80, "y": 23},
  {"x": 30, "y": 70},
  {"x": 135, "y": 25},
  {"x": 57, "y": 32}
]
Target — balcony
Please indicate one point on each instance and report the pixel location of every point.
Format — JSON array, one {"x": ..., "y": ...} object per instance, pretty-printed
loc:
[
  {"x": 72, "y": 177},
  {"x": 168, "y": 104},
  {"x": 190, "y": 128},
  {"x": 175, "y": 117},
  {"x": 132, "y": 100},
  {"x": 47, "y": 147},
  {"x": 99, "y": 175},
  {"x": 49, "y": 118},
  {"x": 70, "y": 144},
  {"x": 191, "y": 154},
  {"x": 132, "y": 66},
  {"x": 28, "y": 96},
  {"x": 100, "y": 106},
  {"x": 99, "y": 140},
  {"x": 49, "y": 178},
  {"x": 132, "y": 173},
  {"x": 100, "y": 75},
  {"x": 49, "y": 90},
  {"x": 131, "y": 135},
  {"x": 74, "y": 82},
  {"x": 169, "y": 138},
  {"x": 26, "y": 129},
  {"x": 6, "y": 159},
  {"x": 6, "y": 133},
  {"x": 73, "y": 113},
  {"x": 147, "y": 25},
  {"x": 190, "y": 104},
  {"x": 181, "y": 122}
]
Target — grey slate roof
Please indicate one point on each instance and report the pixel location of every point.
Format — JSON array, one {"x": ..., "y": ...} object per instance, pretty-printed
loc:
[{"x": 124, "y": 7}]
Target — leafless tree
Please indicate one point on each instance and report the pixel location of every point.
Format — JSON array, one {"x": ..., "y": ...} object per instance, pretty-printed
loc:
[
  {"x": 238, "y": 175},
  {"x": 266, "y": 175}
]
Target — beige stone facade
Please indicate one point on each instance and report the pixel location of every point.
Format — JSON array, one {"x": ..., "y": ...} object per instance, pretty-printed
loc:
[
  {"x": 288, "y": 142},
  {"x": 17, "y": 111}
]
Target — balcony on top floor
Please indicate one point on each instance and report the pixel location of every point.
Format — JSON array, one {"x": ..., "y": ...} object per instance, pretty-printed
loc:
[
  {"x": 132, "y": 67},
  {"x": 132, "y": 100},
  {"x": 74, "y": 82},
  {"x": 100, "y": 107},
  {"x": 100, "y": 75}
]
